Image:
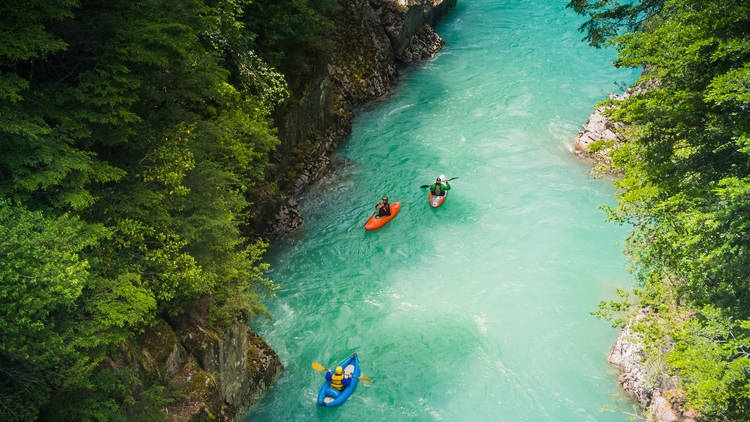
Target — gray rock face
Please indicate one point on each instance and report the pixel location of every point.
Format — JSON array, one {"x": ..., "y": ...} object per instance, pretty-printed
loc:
[
  {"x": 288, "y": 220},
  {"x": 627, "y": 354},
  {"x": 422, "y": 45},
  {"x": 371, "y": 36},
  {"x": 409, "y": 23},
  {"x": 657, "y": 393},
  {"x": 599, "y": 127},
  {"x": 236, "y": 365}
]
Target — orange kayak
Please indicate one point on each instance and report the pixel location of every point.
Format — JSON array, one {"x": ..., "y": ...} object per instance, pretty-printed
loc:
[
  {"x": 375, "y": 223},
  {"x": 436, "y": 201}
]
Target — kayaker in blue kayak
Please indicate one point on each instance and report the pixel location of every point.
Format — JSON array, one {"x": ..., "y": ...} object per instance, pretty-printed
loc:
[
  {"x": 383, "y": 207},
  {"x": 440, "y": 187},
  {"x": 339, "y": 380}
]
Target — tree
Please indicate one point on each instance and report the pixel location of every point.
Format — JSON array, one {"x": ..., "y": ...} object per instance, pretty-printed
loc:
[
  {"x": 686, "y": 186},
  {"x": 607, "y": 18},
  {"x": 57, "y": 319}
]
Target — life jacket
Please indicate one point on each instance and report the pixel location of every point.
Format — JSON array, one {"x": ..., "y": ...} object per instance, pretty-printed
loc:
[
  {"x": 336, "y": 382},
  {"x": 437, "y": 189}
]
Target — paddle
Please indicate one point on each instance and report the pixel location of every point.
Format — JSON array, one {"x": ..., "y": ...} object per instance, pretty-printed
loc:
[
  {"x": 427, "y": 186},
  {"x": 319, "y": 367}
]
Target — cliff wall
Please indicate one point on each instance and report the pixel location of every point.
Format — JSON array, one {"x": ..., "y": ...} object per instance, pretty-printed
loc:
[
  {"x": 657, "y": 393},
  {"x": 218, "y": 373},
  {"x": 371, "y": 39},
  {"x": 211, "y": 374}
]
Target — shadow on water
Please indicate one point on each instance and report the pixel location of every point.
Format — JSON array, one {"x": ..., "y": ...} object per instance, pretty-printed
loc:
[{"x": 477, "y": 310}]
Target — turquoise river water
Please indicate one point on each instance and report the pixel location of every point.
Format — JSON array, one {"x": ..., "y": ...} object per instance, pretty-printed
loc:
[{"x": 478, "y": 310}]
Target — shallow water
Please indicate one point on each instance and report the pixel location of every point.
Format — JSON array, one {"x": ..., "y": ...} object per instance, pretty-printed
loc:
[{"x": 478, "y": 310}]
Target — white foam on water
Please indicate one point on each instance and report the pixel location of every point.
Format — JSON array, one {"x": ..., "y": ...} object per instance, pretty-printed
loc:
[{"x": 481, "y": 323}]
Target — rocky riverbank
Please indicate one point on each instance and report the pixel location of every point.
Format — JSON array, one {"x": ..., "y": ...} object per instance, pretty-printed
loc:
[
  {"x": 218, "y": 373},
  {"x": 210, "y": 373},
  {"x": 600, "y": 136},
  {"x": 657, "y": 393},
  {"x": 372, "y": 37}
]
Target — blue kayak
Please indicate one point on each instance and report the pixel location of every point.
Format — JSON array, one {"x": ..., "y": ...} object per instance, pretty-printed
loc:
[{"x": 331, "y": 397}]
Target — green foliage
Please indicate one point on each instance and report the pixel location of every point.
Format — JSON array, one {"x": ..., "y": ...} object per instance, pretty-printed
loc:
[
  {"x": 711, "y": 355},
  {"x": 608, "y": 17},
  {"x": 613, "y": 310},
  {"x": 294, "y": 32},
  {"x": 686, "y": 189},
  {"x": 133, "y": 133},
  {"x": 59, "y": 320},
  {"x": 599, "y": 145}
]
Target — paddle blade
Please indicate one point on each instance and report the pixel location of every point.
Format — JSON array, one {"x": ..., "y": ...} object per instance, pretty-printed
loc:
[
  {"x": 424, "y": 186},
  {"x": 453, "y": 178},
  {"x": 318, "y": 367},
  {"x": 364, "y": 379}
]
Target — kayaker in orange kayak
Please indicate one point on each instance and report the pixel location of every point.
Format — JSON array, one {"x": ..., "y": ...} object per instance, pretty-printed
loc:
[
  {"x": 383, "y": 208},
  {"x": 440, "y": 187}
]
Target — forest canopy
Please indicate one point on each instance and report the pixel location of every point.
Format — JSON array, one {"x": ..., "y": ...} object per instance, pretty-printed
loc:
[
  {"x": 133, "y": 137},
  {"x": 686, "y": 187}
]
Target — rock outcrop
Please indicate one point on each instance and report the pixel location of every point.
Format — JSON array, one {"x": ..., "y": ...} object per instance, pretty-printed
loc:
[
  {"x": 371, "y": 38},
  {"x": 600, "y": 135},
  {"x": 409, "y": 23},
  {"x": 216, "y": 373},
  {"x": 657, "y": 393}
]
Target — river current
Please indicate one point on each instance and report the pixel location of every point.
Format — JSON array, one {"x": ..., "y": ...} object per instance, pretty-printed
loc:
[{"x": 478, "y": 310}]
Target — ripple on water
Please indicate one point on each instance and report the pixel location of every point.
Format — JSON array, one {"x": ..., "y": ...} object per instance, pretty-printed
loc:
[{"x": 477, "y": 310}]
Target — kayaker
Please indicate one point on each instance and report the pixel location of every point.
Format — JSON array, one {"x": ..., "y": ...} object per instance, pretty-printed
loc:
[
  {"x": 383, "y": 207},
  {"x": 339, "y": 380},
  {"x": 440, "y": 187}
]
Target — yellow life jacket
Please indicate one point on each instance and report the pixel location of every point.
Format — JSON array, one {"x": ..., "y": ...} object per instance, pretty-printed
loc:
[{"x": 336, "y": 382}]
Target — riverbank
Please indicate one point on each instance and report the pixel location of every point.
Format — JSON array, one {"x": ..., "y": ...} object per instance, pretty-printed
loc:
[
  {"x": 222, "y": 371},
  {"x": 644, "y": 378},
  {"x": 470, "y": 297},
  {"x": 372, "y": 39}
]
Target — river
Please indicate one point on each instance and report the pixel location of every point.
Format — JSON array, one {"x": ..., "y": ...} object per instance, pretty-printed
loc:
[{"x": 478, "y": 310}]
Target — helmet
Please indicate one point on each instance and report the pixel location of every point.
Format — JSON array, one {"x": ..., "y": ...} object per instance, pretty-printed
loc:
[
  {"x": 339, "y": 370},
  {"x": 442, "y": 178},
  {"x": 385, "y": 199}
]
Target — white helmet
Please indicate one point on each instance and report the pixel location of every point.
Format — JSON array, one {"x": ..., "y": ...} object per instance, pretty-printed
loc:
[{"x": 442, "y": 178}]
